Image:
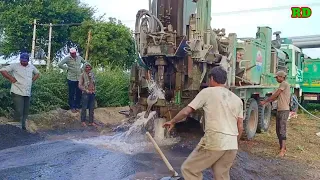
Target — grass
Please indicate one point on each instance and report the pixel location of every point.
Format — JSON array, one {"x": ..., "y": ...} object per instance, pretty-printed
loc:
[{"x": 302, "y": 142}]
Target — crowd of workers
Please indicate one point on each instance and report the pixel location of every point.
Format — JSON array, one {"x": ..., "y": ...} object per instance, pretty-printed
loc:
[
  {"x": 223, "y": 110},
  {"x": 81, "y": 85}
]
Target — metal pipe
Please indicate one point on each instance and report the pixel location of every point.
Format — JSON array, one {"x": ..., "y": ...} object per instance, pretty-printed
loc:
[
  {"x": 306, "y": 39},
  {"x": 303, "y": 37},
  {"x": 307, "y": 44}
]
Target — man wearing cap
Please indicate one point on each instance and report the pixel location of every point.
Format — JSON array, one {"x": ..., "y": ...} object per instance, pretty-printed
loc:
[
  {"x": 72, "y": 64},
  {"x": 23, "y": 75},
  {"x": 282, "y": 95}
]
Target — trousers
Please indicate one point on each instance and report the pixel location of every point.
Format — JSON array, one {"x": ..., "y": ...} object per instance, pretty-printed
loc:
[
  {"x": 21, "y": 108},
  {"x": 200, "y": 159},
  {"x": 281, "y": 125},
  {"x": 87, "y": 103},
  {"x": 74, "y": 94}
]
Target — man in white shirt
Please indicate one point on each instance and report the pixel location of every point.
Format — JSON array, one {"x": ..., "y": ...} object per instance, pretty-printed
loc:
[
  {"x": 223, "y": 111},
  {"x": 23, "y": 75}
]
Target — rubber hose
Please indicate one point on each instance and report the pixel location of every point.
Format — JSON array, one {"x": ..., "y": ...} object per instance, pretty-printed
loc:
[{"x": 296, "y": 100}]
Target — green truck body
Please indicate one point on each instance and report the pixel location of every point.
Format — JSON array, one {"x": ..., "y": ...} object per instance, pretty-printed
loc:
[
  {"x": 180, "y": 49},
  {"x": 311, "y": 81}
]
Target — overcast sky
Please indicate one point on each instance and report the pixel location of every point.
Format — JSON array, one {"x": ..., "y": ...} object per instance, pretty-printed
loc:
[{"x": 244, "y": 24}]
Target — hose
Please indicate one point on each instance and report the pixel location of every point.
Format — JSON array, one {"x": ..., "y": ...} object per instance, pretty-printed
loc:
[{"x": 296, "y": 100}]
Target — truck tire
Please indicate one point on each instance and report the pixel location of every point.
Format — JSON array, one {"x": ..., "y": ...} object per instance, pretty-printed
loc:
[
  {"x": 264, "y": 118},
  {"x": 250, "y": 122}
]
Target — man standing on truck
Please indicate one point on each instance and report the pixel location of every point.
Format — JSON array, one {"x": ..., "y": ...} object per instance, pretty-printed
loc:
[
  {"x": 73, "y": 68},
  {"x": 223, "y": 111},
  {"x": 23, "y": 75},
  {"x": 283, "y": 95}
]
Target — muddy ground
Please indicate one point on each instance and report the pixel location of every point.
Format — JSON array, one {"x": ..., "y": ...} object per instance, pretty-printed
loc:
[{"x": 256, "y": 159}]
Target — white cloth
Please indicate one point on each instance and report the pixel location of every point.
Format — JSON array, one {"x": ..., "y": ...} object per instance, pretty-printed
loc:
[{"x": 23, "y": 75}]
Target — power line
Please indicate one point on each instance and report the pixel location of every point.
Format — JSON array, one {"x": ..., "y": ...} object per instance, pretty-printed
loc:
[
  {"x": 70, "y": 24},
  {"x": 277, "y": 8},
  {"x": 286, "y": 7}
]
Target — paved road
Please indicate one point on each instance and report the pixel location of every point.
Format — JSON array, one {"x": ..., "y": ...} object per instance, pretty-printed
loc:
[
  {"x": 69, "y": 160},
  {"x": 82, "y": 159}
]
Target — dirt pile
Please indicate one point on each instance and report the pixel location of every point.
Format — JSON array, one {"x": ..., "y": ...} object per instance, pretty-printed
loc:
[
  {"x": 62, "y": 119},
  {"x": 3, "y": 120},
  {"x": 11, "y": 136}
]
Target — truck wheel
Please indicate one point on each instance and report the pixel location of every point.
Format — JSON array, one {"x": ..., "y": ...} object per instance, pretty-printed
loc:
[
  {"x": 250, "y": 122},
  {"x": 264, "y": 117}
]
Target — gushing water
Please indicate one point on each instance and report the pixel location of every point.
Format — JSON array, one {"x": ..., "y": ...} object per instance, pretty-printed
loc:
[
  {"x": 154, "y": 89},
  {"x": 134, "y": 140}
]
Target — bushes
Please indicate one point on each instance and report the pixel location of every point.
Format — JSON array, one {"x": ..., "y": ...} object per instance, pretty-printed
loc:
[
  {"x": 112, "y": 87},
  {"x": 50, "y": 91}
]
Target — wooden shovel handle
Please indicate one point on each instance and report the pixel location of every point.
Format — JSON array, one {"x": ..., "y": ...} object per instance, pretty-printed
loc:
[{"x": 165, "y": 160}]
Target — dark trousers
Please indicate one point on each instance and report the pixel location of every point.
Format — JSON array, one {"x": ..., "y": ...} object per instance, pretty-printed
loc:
[
  {"x": 281, "y": 125},
  {"x": 74, "y": 94},
  {"x": 21, "y": 108},
  {"x": 87, "y": 103}
]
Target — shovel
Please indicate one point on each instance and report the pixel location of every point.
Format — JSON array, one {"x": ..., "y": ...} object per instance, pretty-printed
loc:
[{"x": 175, "y": 175}]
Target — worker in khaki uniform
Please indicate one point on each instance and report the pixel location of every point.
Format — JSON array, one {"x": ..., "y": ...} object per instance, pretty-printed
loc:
[
  {"x": 283, "y": 95},
  {"x": 223, "y": 112}
]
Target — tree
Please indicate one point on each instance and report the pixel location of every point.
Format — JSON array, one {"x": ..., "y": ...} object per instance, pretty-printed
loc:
[
  {"x": 17, "y": 16},
  {"x": 111, "y": 44}
]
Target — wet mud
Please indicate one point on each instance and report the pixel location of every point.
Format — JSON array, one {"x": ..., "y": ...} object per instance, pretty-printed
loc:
[
  {"x": 12, "y": 136},
  {"x": 66, "y": 154}
]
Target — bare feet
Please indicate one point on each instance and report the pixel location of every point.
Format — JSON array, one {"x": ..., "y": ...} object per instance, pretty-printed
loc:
[
  {"x": 282, "y": 153},
  {"x": 93, "y": 124},
  {"x": 83, "y": 124}
]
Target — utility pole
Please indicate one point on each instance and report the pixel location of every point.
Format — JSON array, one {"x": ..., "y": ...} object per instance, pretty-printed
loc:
[
  {"x": 88, "y": 45},
  {"x": 49, "y": 46},
  {"x": 33, "y": 39}
]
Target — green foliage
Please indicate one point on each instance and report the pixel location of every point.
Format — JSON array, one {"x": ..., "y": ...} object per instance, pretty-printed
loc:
[
  {"x": 112, "y": 43},
  {"x": 112, "y": 87},
  {"x": 5, "y": 99},
  {"x": 50, "y": 91},
  {"x": 17, "y": 16}
]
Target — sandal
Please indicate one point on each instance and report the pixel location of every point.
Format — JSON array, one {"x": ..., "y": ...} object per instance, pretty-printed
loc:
[
  {"x": 83, "y": 124},
  {"x": 93, "y": 124}
]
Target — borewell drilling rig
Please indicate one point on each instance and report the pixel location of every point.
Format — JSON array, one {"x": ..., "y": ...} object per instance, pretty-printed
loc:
[{"x": 177, "y": 47}]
